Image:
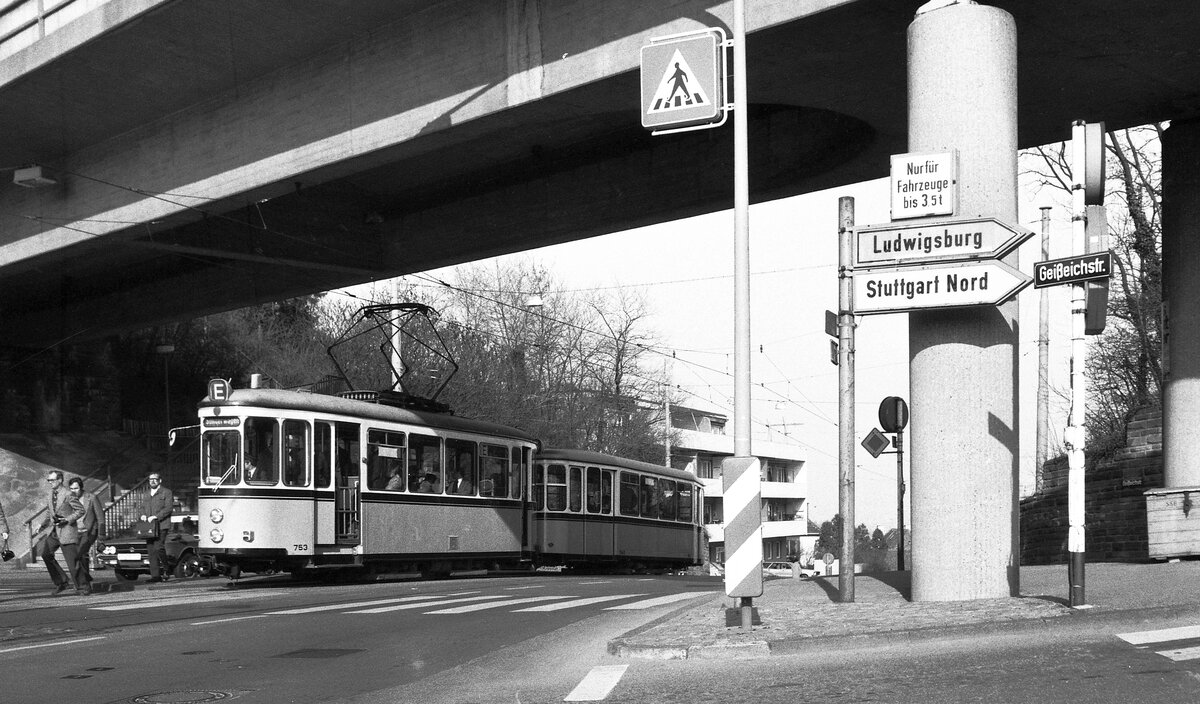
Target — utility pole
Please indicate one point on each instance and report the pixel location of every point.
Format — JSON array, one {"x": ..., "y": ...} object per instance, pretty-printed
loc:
[
  {"x": 1043, "y": 390},
  {"x": 846, "y": 396}
]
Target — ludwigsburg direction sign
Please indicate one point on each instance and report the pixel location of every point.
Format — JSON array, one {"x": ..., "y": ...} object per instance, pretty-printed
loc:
[
  {"x": 1071, "y": 270},
  {"x": 950, "y": 285},
  {"x": 957, "y": 240}
]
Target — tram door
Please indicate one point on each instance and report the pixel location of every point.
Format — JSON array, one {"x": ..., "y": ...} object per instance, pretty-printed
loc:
[
  {"x": 599, "y": 530},
  {"x": 347, "y": 496}
]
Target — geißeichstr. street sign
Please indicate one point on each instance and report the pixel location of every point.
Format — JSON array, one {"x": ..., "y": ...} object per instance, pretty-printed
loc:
[
  {"x": 944, "y": 240},
  {"x": 951, "y": 285},
  {"x": 1072, "y": 270}
]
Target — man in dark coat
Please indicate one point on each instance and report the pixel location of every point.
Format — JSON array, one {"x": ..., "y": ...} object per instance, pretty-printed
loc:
[
  {"x": 157, "y": 509},
  {"x": 89, "y": 531}
]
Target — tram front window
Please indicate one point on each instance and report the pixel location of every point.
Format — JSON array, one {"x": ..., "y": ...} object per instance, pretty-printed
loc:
[
  {"x": 262, "y": 441},
  {"x": 220, "y": 457}
]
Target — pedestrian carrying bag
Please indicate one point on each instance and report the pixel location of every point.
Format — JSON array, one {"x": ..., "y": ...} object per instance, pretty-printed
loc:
[{"x": 146, "y": 529}]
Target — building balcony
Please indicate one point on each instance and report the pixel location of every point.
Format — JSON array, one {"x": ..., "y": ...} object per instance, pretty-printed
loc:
[
  {"x": 713, "y": 488},
  {"x": 770, "y": 529}
]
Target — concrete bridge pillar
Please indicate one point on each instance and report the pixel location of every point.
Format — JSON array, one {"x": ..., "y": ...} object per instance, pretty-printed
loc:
[
  {"x": 962, "y": 96},
  {"x": 1181, "y": 302}
]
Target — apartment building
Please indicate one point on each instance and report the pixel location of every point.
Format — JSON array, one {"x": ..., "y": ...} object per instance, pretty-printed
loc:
[{"x": 699, "y": 447}]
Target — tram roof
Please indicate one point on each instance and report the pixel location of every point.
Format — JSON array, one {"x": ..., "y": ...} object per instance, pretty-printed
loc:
[
  {"x": 590, "y": 457},
  {"x": 280, "y": 399}
]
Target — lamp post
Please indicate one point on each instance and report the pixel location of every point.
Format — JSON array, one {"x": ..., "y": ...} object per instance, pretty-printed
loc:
[{"x": 165, "y": 351}]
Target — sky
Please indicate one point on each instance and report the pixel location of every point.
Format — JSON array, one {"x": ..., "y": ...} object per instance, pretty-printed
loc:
[{"x": 684, "y": 270}]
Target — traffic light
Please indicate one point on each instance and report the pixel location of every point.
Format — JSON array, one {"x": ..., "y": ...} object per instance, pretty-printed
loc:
[{"x": 1096, "y": 312}]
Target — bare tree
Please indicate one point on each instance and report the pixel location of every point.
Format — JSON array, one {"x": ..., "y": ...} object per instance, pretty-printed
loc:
[{"x": 1125, "y": 363}]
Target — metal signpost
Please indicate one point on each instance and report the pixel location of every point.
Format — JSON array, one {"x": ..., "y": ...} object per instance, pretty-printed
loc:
[
  {"x": 1087, "y": 191},
  {"x": 683, "y": 80}
]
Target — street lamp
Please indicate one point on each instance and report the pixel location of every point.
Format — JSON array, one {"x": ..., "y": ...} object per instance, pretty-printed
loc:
[{"x": 165, "y": 351}]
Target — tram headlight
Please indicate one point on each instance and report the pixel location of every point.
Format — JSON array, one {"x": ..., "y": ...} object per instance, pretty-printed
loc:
[
  {"x": 216, "y": 515},
  {"x": 216, "y": 535}
]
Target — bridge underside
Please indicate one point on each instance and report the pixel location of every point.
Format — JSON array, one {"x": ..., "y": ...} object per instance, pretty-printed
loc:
[{"x": 214, "y": 155}]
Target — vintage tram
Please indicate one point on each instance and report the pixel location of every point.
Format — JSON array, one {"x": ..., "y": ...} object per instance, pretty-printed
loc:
[{"x": 296, "y": 481}]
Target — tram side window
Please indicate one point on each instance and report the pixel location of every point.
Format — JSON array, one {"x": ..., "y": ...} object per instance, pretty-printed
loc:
[
  {"x": 556, "y": 487},
  {"x": 517, "y": 471},
  {"x": 539, "y": 487},
  {"x": 220, "y": 460},
  {"x": 346, "y": 457},
  {"x": 262, "y": 439},
  {"x": 385, "y": 460},
  {"x": 668, "y": 499},
  {"x": 322, "y": 451},
  {"x": 651, "y": 497},
  {"x": 593, "y": 490},
  {"x": 424, "y": 464},
  {"x": 295, "y": 453},
  {"x": 630, "y": 494},
  {"x": 685, "y": 503},
  {"x": 460, "y": 467},
  {"x": 493, "y": 470},
  {"x": 575, "y": 490}
]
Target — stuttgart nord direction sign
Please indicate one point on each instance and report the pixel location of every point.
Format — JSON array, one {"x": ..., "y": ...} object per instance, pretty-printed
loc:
[{"x": 908, "y": 288}]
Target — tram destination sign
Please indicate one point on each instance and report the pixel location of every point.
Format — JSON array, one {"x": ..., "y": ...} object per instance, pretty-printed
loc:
[
  {"x": 908, "y": 288},
  {"x": 946, "y": 240},
  {"x": 1072, "y": 270}
]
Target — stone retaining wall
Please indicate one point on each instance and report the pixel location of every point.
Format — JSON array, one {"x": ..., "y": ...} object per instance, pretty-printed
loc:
[{"x": 1114, "y": 505}]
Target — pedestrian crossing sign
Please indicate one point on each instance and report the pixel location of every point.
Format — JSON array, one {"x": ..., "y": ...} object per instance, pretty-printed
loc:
[{"x": 683, "y": 81}]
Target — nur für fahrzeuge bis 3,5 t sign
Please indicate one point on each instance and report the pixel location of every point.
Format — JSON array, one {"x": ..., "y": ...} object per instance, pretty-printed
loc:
[{"x": 1072, "y": 270}]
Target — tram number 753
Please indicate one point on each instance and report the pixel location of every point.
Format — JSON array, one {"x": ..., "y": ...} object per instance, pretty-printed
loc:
[{"x": 300, "y": 547}]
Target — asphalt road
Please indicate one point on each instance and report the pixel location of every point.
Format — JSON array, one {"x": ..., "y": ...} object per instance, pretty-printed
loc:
[{"x": 273, "y": 641}]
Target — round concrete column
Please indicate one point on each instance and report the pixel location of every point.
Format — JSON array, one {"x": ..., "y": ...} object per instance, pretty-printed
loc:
[
  {"x": 1181, "y": 302},
  {"x": 962, "y": 84}
]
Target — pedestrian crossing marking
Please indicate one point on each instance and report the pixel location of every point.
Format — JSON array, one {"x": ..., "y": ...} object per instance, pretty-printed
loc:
[
  {"x": 578, "y": 602},
  {"x": 421, "y": 605},
  {"x": 359, "y": 604},
  {"x": 657, "y": 601},
  {"x": 1160, "y": 636},
  {"x": 598, "y": 684},
  {"x": 1181, "y": 654},
  {"x": 455, "y": 603},
  {"x": 471, "y": 608},
  {"x": 1146, "y": 639},
  {"x": 678, "y": 89},
  {"x": 189, "y": 599}
]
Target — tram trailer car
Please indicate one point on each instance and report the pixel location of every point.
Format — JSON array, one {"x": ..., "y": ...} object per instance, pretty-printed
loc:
[
  {"x": 295, "y": 481},
  {"x": 596, "y": 511}
]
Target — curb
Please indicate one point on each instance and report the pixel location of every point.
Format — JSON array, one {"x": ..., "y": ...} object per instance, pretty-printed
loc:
[{"x": 627, "y": 647}]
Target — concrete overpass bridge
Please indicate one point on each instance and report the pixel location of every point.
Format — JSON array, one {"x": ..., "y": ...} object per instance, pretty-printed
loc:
[
  {"x": 211, "y": 155},
  {"x": 202, "y": 155}
]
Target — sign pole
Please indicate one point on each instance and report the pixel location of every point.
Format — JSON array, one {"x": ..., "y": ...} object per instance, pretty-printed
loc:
[
  {"x": 1075, "y": 435},
  {"x": 846, "y": 396},
  {"x": 900, "y": 500},
  {"x": 741, "y": 480}
]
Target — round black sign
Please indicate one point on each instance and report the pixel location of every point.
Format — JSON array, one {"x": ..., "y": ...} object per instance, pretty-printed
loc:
[{"x": 893, "y": 414}]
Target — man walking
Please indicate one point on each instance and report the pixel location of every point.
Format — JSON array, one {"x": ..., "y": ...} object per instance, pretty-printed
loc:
[
  {"x": 89, "y": 530},
  {"x": 157, "y": 508},
  {"x": 65, "y": 512}
]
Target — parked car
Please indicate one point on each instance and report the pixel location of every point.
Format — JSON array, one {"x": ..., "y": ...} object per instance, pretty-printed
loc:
[
  {"x": 126, "y": 554},
  {"x": 784, "y": 569}
]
